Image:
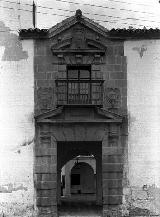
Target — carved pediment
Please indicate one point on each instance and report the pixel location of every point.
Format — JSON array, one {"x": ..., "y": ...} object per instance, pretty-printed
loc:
[
  {"x": 80, "y": 115},
  {"x": 77, "y": 45},
  {"x": 78, "y": 42}
]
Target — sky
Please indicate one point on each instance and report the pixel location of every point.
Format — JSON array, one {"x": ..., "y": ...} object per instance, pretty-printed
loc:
[{"x": 109, "y": 13}]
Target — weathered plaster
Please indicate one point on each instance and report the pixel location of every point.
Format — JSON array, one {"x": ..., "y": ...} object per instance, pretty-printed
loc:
[
  {"x": 143, "y": 87},
  {"x": 13, "y": 46},
  {"x": 17, "y": 126}
]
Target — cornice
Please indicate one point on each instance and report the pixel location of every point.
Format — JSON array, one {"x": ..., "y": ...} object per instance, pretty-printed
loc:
[{"x": 113, "y": 34}]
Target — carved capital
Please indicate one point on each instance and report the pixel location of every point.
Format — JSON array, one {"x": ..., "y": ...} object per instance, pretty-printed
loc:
[
  {"x": 97, "y": 58},
  {"x": 61, "y": 59},
  {"x": 79, "y": 59}
]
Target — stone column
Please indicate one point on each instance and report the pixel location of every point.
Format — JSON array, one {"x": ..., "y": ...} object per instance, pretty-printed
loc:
[
  {"x": 45, "y": 173},
  {"x": 99, "y": 180},
  {"x": 59, "y": 186},
  {"x": 112, "y": 174},
  {"x": 67, "y": 181}
]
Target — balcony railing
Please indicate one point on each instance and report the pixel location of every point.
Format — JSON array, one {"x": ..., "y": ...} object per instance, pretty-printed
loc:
[{"x": 79, "y": 92}]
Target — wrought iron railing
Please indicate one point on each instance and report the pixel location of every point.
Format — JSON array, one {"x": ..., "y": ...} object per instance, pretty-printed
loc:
[{"x": 81, "y": 92}]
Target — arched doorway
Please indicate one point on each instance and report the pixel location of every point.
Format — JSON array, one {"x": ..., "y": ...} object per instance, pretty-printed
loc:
[
  {"x": 83, "y": 179},
  {"x": 79, "y": 172},
  {"x": 76, "y": 177}
]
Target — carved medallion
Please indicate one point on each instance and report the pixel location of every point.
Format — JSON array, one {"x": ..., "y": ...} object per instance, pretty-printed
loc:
[{"x": 112, "y": 97}]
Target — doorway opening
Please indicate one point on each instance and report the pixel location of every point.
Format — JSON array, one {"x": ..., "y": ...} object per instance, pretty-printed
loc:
[{"x": 80, "y": 177}]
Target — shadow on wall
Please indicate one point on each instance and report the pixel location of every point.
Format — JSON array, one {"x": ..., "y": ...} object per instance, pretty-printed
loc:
[{"x": 13, "y": 46}]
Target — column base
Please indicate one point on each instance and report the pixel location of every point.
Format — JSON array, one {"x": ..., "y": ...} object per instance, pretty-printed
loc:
[
  {"x": 47, "y": 211},
  {"x": 112, "y": 211}
]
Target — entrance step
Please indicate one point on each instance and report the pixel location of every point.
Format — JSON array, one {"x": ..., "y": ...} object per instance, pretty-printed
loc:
[{"x": 79, "y": 209}]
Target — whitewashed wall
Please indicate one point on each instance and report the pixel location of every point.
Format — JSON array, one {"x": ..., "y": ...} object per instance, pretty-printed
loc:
[
  {"x": 143, "y": 79},
  {"x": 16, "y": 113}
]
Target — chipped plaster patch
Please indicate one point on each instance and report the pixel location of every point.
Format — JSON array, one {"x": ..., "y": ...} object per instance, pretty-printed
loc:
[
  {"x": 13, "y": 46},
  {"x": 140, "y": 50}
]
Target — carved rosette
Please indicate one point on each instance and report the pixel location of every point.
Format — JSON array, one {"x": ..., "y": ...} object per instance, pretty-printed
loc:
[
  {"x": 45, "y": 98},
  {"x": 112, "y": 97}
]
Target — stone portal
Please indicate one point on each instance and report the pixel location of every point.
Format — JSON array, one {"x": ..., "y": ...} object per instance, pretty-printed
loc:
[{"x": 61, "y": 137}]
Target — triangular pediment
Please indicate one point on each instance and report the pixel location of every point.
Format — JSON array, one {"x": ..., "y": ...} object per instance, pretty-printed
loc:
[
  {"x": 79, "y": 39},
  {"x": 78, "y": 34},
  {"x": 77, "y": 19},
  {"x": 67, "y": 114}
]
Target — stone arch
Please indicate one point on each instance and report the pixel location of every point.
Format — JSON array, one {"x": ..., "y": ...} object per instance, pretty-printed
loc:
[
  {"x": 89, "y": 163},
  {"x": 82, "y": 178},
  {"x": 75, "y": 149}
]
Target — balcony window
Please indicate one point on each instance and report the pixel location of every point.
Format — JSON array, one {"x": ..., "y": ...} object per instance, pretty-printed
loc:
[{"x": 79, "y": 87}]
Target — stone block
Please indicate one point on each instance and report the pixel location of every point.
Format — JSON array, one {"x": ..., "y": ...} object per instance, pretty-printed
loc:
[
  {"x": 119, "y": 59},
  {"x": 124, "y": 92},
  {"x": 117, "y": 75},
  {"x": 46, "y": 193},
  {"x": 112, "y": 200},
  {"x": 45, "y": 168},
  {"x": 121, "y": 83},
  {"x": 124, "y": 102},
  {"x": 110, "y": 50},
  {"x": 114, "y": 183},
  {"x": 112, "y": 167},
  {"x": 49, "y": 67},
  {"x": 48, "y": 211},
  {"x": 113, "y": 191},
  {"x": 48, "y": 160},
  {"x": 113, "y": 159},
  {"x": 111, "y": 151},
  {"x": 111, "y": 59},
  {"x": 124, "y": 64},
  {"x": 46, "y": 201},
  {"x": 41, "y": 75},
  {"x": 40, "y": 49},
  {"x": 44, "y": 151},
  {"x": 49, "y": 177},
  {"x": 109, "y": 68},
  {"x": 112, "y": 211},
  {"x": 42, "y": 83},
  {"x": 61, "y": 67},
  {"x": 48, "y": 75},
  {"x": 96, "y": 67},
  {"x": 38, "y": 60},
  {"x": 46, "y": 185},
  {"x": 119, "y": 50},
  {"x": 117, "y": 68},
  {"x": 113, "y": 175}
]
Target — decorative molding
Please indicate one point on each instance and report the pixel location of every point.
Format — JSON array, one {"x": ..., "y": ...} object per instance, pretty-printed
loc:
[
  {"x": 79, "y": 59},
  {"x": 52, "y": 116},
  {"x": 61, "y": 59},
  {"x": 97, "y": 59}
]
